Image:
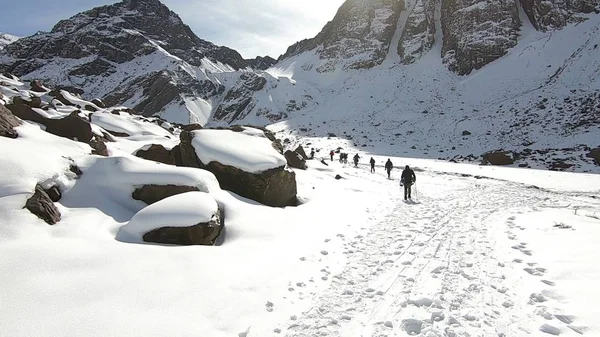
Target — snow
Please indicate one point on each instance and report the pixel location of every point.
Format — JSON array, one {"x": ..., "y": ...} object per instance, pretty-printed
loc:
[
  {"x": 6, "y": 39},
  {"x": 182, "y": 210},
  {"x": 131, "y": 125},
  {"x": 248, "y": 151}
]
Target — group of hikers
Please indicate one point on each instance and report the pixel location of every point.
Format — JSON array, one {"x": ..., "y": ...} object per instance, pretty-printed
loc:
[{"x": 407, "y": 179}]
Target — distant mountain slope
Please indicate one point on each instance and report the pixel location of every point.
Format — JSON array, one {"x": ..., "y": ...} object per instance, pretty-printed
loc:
[{"x": 6, "y": 39}]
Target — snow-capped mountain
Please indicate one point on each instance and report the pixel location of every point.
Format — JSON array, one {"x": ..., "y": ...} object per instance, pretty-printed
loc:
[
  {"x": 6, "y": 39},
  {"x": 444, "y": 79},
  {"x": 136, "y": 53}
]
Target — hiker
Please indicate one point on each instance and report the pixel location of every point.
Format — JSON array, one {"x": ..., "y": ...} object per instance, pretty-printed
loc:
[
  {"x": 388, "y": 167},
  {"x": 344, "y": 158},
  {"x": 408, "y": 178},
  {"x": 312, "y": 153},
  {"x": 356, "y": 158},
  {"x": 372, "y": 161},
  {"x": 331, "y": 153}
]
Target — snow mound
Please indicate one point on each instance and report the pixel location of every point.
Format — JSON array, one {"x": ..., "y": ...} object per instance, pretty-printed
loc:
[
  {"x": 182, "y": 210},
  {"x": 131, "y": 125},
  {"x": 249, "y": 150}
]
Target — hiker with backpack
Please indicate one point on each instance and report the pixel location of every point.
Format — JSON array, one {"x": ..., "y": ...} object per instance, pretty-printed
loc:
[
  {"x": 372, "y": 161},
  {"x": 388, "y": 167},
  {"x": 356, "y": 158},
  {"x": 408, "y": 178}
]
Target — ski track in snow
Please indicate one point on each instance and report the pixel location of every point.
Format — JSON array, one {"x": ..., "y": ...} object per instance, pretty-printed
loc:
[{"x": 438, "y": 266}]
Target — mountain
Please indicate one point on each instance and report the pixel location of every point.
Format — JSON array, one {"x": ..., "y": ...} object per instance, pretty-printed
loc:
[
  {"x": 261, "y": 63},
  {"x": 449, "y": 79},
  {"x": 6, "y": 39},
  {"x": 136, "y": 53}
]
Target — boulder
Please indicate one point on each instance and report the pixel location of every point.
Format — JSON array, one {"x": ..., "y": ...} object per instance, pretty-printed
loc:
[
  {"x": 90, "y": 107},
  {"x": 57, "y": 94},
  {"x": 8, "y": 122},
  {"x": 34, "y": 102},
  {"x": 54, "y": 193},
  {"x": 300, "y": 150},
  {"x": 498, "y": 158},
  {"x": 192, "y": 218},
  {"x": 154, "y": 193},
  {"x": 97, "y": 102},
  {"x": 338, "y": 177},
  {"x": 466, "y": 133},
  {"x": 595, "y": 154},
  {"x": 72, "y": 126},
  {"x": 37, "y": 86},
  {"x": 98, "y": 147},
  {"x": 275, "y": 187},
  {"x": 42, "y": 206},
  {"x": 204, "y": 234},
  {"x": 158, "y": 154},
  {"x": 295, "y": 160}
]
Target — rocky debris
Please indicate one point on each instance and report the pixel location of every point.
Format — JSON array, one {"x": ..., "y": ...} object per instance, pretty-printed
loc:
[
  {"x": 154, "y": 193},
  {"x": 37, "y": 86},
  {"x": 359, "y": 35},
  {"x": 419, "y": 32},
  {"x": 466, "y": 133},
  {"x": 205, "y": 234},
  {"x": 498, "y": 158},
  {"x": 560, "y": 165},
  {"x": 54, "y": 193},
  {"x": 7, "y": 123},
  {"x": 295, "y": 160},
  {"x": 338, "y": 177},
  {"x": 158, "y": 154},
  {"x": 464, "y": 22},
  {"x": 42, "y": 206},
  {"x": 71, "y": 127},
  {"x": 595, "y": 154},
  {"x": 300, "y": 150},
  {"x": 261, "y": 63}
]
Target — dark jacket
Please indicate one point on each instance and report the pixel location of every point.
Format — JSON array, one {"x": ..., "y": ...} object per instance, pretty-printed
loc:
[
  {"x": 408, "y": 176},
  {"x": 372, "y": 161},
  {"x": 389, "y": 165}
]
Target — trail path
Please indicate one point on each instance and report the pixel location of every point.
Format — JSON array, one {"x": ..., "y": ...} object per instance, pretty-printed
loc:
[{"x": 448, "y": 264}]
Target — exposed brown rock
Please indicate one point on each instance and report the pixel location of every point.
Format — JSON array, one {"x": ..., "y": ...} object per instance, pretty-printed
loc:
[
  {"x": 34, "y": 102},
  {"x": 295, "y": 160},
  {"x": 42, "y": 206},
  {"x": 37, "y": 86},
  {"x": 158, "y": 154},
  {"x": 98, "y": 147},
  {"x": 200, "y": 234},
  {"x": 498, "y": 158},
  {"x": 8, "y": 122},
  {"x": 56, "y": 93},
  {"x": 97, "y": 102},
  {"x": 595, "y": 153},
  {"x": 300, "y": 150},
  {"x": 54, "y": 193},
  {"x": 153, "y": 193}
]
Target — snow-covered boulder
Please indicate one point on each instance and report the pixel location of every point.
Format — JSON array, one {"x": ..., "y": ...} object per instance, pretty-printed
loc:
[
  {"x": 71, "y": 127},
  {"x": 191, "y": 218},
  {"x": 42, "y": 206},
  {"x": 244, "y": 161},
  {"x": 151, "y": 194},
  {"x": 7, "y": 123}
]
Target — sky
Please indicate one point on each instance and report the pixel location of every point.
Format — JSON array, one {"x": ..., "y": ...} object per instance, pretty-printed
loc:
[{"x": 252, "y": 27}]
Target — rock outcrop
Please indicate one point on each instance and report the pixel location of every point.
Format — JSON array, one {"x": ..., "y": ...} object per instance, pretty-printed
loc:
[
  {"x": 477, "y": 32},
  {"x": 239, "y": 100},
  {"x": 595, "y": 154},
  {"x": 7, "y": 123},
  {"x": 358, "y": 37},
  {"x": 42, "y": 206},
  {"x": 204, "y": 234},
  {"x": 419, "y": 32},
  {"x": 261, "y": 63},
  {"x": 556, "y": 14},
  {"x": 295, "y": 160}
]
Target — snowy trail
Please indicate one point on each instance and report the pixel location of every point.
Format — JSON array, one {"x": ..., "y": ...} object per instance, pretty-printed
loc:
[{"x": 440, "y": 267}]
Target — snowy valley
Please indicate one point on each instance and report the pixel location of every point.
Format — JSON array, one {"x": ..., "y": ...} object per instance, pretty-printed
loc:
[{"x": 156, "y": 184}]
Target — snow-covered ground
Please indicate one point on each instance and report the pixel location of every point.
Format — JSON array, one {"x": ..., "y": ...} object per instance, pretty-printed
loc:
[{"x": 480, "y": 251}]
